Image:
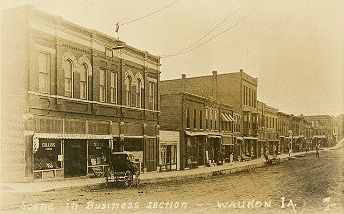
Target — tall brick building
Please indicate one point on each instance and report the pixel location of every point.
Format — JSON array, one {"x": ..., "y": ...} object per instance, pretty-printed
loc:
[
  {"x": 69, "y": 97},
  {"x": 238, "y": 90}
]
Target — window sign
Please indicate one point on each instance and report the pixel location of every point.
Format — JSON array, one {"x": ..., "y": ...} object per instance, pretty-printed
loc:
[{"x": 47, "y": 154}]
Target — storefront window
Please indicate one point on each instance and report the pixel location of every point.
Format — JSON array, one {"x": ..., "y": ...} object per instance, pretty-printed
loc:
[
  {"x": 48, "y": 155},
  {"x": 98, "y": 151}
]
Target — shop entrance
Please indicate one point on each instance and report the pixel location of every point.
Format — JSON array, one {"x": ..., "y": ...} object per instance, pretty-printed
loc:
[{"x": 75, "y": 158}]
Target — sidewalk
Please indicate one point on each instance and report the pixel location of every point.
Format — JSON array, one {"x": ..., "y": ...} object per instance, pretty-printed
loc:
[{"x": 150, "y": 177}]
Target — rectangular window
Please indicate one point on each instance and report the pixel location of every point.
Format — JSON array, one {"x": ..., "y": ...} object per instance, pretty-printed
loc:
[
  {"x": 211, "y": 119},
  {"x": 215, "y": 119},
  {"x": 113, "y": 87},
  {"x": 206, "y": 119},
  {"x": 152, "y": 94},
  {"x": 187, "y": 115},
  {"x": 83, "y": 82},
  {"x": 108, "y": 52},
  {"x": 246, "y": 99},
  {"x": 46, "y": 155},
  {"x": 44, "y": 71},
  {"x": 102, "y": 85},
  {"x": 244, "y": 95},
  {"x": 200, "y": 119},
  {"x": 194, "y": 118}
]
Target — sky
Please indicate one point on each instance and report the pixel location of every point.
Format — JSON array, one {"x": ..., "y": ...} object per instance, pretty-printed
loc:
[{"x": 294, "y": 47}]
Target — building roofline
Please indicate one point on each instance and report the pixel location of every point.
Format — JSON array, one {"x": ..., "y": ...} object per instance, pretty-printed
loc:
[{"x": 59, "y": 20}]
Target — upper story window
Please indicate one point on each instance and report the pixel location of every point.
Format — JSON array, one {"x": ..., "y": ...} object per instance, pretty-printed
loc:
[
  {"x": 152, "y": 94},
  {"x": 200, "y": 119},
  {"x": 194, "y": 118},
  {"x": 211, "y": 119},
  {"x": 187, "y": 116},
  {"x": 113, "y": 87},
  {"x": 68, "y": 78},
  {"x": 44, "y": 72},
  {"x": 206, "y": 118},
  {"x": 83, "y": 81},
  {"x": 108, "y": 52},
  {"x": 139, "y": 92},
  {"x": 215, "y": 119},
  {"x": 102, "y": 85},
  {"x": 128, "y": 89}
]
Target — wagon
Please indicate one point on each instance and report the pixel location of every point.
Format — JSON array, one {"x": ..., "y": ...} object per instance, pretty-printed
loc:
[{"x": 123, "y": 169}]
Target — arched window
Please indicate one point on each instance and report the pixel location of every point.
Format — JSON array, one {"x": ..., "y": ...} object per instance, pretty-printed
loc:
[
  {"x": 68, "y": 78},
  {"x": 128, "y": 88},
  {"x": 83, "y": 81},
  {"x": 139, "y": 93},
  {"x": 113, "y": 87}
]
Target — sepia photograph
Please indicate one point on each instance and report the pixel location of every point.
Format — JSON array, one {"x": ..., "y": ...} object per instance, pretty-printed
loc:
[{"x": 172, "y": 106}]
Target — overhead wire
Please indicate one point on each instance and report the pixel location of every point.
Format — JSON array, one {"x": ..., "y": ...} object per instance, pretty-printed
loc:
[
  {"x": 211, "y": 38},
  {"x": 149, "y": 14},
  {"x": 209, "y": 32}
]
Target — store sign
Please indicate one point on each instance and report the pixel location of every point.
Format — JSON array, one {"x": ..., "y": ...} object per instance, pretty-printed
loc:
[
  {"x": 47, "y": 145},
  {"x": 97, "y": 144}
]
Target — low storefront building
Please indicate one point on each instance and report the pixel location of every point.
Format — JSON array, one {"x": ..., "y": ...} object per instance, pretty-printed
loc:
[{"x": 169, "y": 150}]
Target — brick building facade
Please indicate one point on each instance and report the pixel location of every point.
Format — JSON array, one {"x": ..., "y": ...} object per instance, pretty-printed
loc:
[
  {"x": 70, "y": 98},
  {"x": 238, "y": 90},
  {"x": 268, "y": 139},
  {"x": 325, "y": 129},
  {"x": 205, "y": 126}
]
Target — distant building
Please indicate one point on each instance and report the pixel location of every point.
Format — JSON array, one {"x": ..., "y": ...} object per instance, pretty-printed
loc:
[
  {"x": 69, "y": 98},
  {"x": 268, "y": 139},
  {"x": 325, "y": 129},
  {"x": 340, "y": 124},
  {"x": 284, "y": 133},
  {"x": 205, "y": 126},
  {"x": 238, "y": 90}
]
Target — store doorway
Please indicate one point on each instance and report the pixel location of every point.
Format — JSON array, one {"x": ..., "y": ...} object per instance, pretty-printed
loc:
[{"x": 75, "y": 158}]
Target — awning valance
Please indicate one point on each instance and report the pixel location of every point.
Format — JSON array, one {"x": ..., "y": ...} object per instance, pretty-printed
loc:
[
  {"x": 195, "y": 133},
  {"x": 38, "y": 136},
  {"x": 319, "y": 136},
  {"x": 250, "y": 138},
  {"x": 214, "y": 136},
  {"x": 72, "y": 136}
]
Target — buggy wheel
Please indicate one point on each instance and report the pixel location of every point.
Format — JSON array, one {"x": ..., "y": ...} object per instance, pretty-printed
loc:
[{"x": 129, "y": 180}]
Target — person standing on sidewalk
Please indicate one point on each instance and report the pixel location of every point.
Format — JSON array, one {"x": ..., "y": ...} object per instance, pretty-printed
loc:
[{"x": 317, "y": 151}]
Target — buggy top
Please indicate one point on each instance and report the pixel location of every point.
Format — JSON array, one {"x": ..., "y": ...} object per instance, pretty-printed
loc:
[{"x": 121, "y": 161}]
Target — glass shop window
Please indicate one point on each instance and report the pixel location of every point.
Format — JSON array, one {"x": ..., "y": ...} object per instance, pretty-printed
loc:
[
  {"x": 98, "y": 152},
  {"x": 48, "y": 154}
]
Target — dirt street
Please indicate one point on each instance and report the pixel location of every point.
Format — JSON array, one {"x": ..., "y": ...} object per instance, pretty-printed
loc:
[{"x": 302, "y": 185}]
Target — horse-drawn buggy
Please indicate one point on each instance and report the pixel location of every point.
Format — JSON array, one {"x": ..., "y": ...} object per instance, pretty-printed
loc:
[{"x": 123, "y": 169}]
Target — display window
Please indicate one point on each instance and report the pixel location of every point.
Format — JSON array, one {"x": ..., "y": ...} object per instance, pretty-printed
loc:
[
  {"x": 48, "y": 155},
  {"x": 98, "y": 152}
]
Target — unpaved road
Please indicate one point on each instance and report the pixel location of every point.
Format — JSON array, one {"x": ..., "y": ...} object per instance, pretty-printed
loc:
[{"x": 307, "y": 184}]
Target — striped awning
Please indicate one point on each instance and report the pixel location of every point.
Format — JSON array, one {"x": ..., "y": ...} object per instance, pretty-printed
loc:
[
  {"x": 231, "y": 118},
  {"x": 224, "y": 117}
]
